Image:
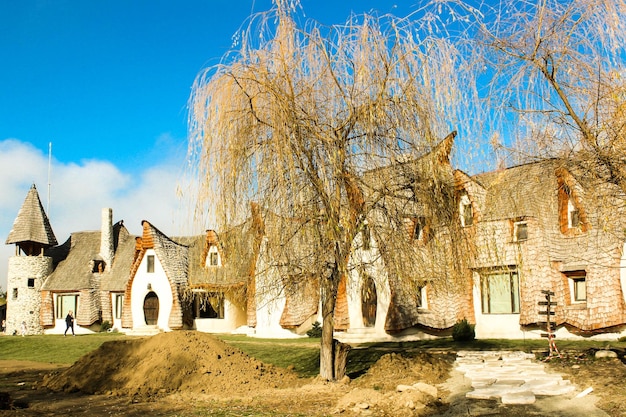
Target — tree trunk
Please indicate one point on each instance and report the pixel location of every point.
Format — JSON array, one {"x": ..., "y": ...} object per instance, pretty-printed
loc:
[
  {"x": 341, "y": 358},
  {"x": 327, "y": 354}
]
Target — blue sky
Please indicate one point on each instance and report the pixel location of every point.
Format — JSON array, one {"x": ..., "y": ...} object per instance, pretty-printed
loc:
[{"x": 107, "y": 83}]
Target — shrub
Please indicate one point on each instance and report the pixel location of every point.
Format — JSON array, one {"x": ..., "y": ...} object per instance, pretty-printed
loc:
[
  {"x": 316, "y": 330},
  {"x": 105, "y": 326},
  {"x": 463, "y": 331}
]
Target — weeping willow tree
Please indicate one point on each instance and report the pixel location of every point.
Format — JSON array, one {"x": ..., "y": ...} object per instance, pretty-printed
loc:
[
  {"x": 555, "y": 80},
  {"x": 295, "y": 117}
]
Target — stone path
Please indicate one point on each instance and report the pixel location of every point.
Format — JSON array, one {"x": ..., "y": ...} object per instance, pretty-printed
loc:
[{"x": 512, "y": 377}]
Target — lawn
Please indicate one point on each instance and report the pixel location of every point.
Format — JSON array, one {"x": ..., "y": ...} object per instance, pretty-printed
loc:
[
  {"x": 52, "y": 348},
  {"x": 301, "y": 355}
]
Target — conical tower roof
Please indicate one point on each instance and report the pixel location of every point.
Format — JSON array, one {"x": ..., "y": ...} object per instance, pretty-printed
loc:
[{"x": 31, "y": 223}]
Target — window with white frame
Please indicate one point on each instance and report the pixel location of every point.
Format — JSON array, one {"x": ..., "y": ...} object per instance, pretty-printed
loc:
[
  {"x": 213, "y": 257},
  {"x": 577, "y": 281},
  {"x": 66, "y": 303},
  {"x": 573, "y": 215},
  {"x": 500, "y": 292},
  {"x": 520, "y": 231},
  {"x": 466, "y": 211},
  {"x": 119, "y": 304}
]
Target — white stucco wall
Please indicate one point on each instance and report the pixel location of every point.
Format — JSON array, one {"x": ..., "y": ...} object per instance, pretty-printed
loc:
[
  {"x": 159, "y": 284},
  {"x": 270, "y": 302},
  {"x": 506, "y": 326},
  {"x": 372, "y": 266}
]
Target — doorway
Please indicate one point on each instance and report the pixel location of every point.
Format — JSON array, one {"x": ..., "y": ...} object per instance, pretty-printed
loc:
[
  {"x": 368, "y": 302},
  {"x": 151, "y": 308}
]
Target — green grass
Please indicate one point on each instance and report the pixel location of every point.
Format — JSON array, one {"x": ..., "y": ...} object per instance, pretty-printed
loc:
[
  {"x": 302, "y": 355},
  {"x": 52, "y": 348}
]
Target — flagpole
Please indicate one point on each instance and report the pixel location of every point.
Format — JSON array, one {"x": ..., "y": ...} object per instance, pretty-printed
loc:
[{"x": 49, "y": 171}]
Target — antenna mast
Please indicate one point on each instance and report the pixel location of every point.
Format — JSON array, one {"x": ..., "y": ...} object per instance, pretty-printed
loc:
[{"x": 49, "y": 170}]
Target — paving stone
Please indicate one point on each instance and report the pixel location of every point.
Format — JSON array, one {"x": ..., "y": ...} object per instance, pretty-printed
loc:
[
  {"x": 523, "y": 397},
  {"x": 510, "y": 376}
]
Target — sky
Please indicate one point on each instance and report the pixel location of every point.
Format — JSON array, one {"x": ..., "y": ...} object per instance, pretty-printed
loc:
[{"x": 93, "y": 103}]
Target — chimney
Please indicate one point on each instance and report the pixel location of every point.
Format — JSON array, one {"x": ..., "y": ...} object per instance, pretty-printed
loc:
[{"x": 106, "y": 238}]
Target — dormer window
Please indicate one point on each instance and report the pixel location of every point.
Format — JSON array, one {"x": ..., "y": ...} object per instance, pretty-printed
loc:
[
  {"x": 213, "y": 257},
  {"x": 98, "y": 266},
  {"x": 520, "y": 231},
  {"x": 466, "y": 211},
  {"x": 419, "y": 225},
  {"x": 572, "y": 218},
  {"x": 573, "y": 215}
]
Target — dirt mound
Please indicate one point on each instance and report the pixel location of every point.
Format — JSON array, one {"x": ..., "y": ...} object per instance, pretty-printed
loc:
[
  {"x": 168, "y": 362},
  {"x": 395, "y": 369}
]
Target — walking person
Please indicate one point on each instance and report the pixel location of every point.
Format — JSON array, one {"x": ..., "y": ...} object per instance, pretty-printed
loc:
[
  {"x": 69, "y": 322},
  {"x": 23, "y": 329}
]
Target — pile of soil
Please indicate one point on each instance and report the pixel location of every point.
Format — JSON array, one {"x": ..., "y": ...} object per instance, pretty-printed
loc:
[
  {"x": 395, "y": 369},
  {"x": 174, "y": 361}
]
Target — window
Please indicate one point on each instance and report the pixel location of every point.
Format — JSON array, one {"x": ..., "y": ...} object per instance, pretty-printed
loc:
[
  {"x": 466, "y": 210},
  {"x": 65, "y": 303},
  {"x": 366, "y": 237},
  {"x": 520, "y": 231},
  {"x": 15, "y": 293},
  {"x": 213, "y": 258},
  {"x": 98, "y": 266},
  {"x": 500, "y": 292},
  {"x": 209, "y": 306},
  {"x": 573, "y": 215},
  {"x": 150, "y": 264},
  {"x": 419, "y": 225},
  {"x": 119, "y": 303},
  {"x": 31, "y": 282},
  {"x": 577, "y": 281},
  {"x": 421, "y": 296}
]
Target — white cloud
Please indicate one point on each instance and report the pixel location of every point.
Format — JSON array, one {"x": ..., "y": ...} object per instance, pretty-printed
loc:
[{"x": 79, "y": 191}]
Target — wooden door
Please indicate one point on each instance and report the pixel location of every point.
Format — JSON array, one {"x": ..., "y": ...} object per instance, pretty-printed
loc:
[
  {"x": 151, "y": 308},
  {"x": 368, "y": 302}
]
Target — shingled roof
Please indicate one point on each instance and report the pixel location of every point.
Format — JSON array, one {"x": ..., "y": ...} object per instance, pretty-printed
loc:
[
  {"x": 74, "y": 272},
  {"x": 74, "y": 261},
  {"x": 173, "y": 255},
  {"x": 518, "y": 191},
  {"x": 31, "y": 223}
]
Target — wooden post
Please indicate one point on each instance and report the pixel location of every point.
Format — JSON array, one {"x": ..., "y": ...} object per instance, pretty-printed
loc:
[{"x": 550, "y": 325}]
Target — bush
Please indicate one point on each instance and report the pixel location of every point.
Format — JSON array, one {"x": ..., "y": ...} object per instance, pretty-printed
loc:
[
  {"x": 463, "y": 331},
  {"x": 105, "y": 326},
  {"x": 316, "y": 330}
]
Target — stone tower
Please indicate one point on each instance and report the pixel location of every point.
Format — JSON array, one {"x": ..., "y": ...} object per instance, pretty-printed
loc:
[{"x": 28, "y": 269}]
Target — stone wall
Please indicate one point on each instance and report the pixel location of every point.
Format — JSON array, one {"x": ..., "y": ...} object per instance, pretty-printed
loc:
[{"x": 26, "y": 275}]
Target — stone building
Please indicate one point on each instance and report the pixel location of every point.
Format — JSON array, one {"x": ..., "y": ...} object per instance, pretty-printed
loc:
[
  {"x": 30, "y": 266},
  {"x": 484, "y": 247}
]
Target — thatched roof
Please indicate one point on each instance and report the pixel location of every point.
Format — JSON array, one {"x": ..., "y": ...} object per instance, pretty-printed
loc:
[
  {"x": 518, "y": 191},
  {"x": 124, "y": 251},
  {"x": 75, "y": 270},
  {"x": 74, "y": 261},
  {"x": 31, "y": 223},
  {"x": 238, "y": 249}
]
